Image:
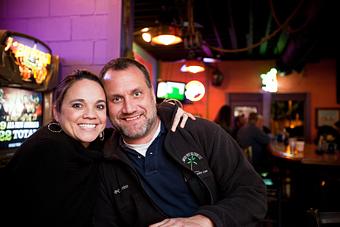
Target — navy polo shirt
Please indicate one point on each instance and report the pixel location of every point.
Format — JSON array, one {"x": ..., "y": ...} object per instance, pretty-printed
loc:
[{"x": 162, "y": 179}]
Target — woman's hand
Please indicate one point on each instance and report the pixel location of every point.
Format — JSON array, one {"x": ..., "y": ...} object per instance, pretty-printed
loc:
[
  {"x": 181, "y": 118},
  {"x": 181, "y": 115}
]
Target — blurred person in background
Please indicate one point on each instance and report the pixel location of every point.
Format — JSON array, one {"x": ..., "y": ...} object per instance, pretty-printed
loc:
[
  {"x": 223, "y": 118},
  {"x": 252, "y": 135},
  {"x": 239, "y": 122}
]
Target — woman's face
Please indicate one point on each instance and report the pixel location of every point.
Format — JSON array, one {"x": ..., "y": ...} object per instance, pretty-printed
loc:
[{"x": 83, "y": 111}]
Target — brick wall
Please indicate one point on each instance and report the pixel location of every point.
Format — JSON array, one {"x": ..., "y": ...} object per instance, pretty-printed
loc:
[{"x": 85, "y": 34}]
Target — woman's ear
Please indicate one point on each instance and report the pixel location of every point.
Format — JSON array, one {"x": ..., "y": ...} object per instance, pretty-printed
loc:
[{"x": 55, "y": 113}]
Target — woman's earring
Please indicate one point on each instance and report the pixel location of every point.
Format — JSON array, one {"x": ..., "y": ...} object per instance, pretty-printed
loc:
[
  {"x": 54, "y": 127},
  {"x": 101, "y": 136}
]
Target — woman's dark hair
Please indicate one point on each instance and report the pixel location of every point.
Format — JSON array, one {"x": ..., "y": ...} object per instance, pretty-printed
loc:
[
  {"x": 61, "y": 89},
  {"x": 122, "y": 64},
  {"x": 223, "y": 116}
]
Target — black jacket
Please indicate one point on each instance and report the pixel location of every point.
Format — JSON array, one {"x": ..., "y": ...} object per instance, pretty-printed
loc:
[
  {"x": 228, "y": 189},
  {"x": 51, "y": 181}
]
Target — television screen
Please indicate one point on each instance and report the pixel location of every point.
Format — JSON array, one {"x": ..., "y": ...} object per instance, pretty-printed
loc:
[
  {"x": 171, "y": 90},
  {"x": 20, "y": 115}
]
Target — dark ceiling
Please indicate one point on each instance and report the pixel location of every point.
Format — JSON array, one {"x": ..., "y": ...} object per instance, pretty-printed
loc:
[{"x": 292, "y": 32}]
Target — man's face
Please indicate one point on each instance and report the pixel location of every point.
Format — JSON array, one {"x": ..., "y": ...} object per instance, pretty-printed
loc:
[
  {"x": 132, "y": 104},
  {"x": 259, "y": 122}
]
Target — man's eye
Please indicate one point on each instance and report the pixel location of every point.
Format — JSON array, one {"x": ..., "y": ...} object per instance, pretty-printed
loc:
[
  {"x": 77, "y": 105},
  {"x": 137, "y": 93},
  {"x": 116, "y": 99}
]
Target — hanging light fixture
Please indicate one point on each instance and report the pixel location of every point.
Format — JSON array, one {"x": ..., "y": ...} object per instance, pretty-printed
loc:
[
  {"x": 166, "y": 35},
  {"x": 193, "y": 66},
  {"x": 165, "y": 31},
  {"x": 162, "y": 35},
  {"x": 146, "y": 35},
  {"x": 192, "y": 42}
]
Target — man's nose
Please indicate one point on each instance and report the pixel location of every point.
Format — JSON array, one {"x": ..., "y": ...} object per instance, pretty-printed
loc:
[{"x": 129, "y": 106}]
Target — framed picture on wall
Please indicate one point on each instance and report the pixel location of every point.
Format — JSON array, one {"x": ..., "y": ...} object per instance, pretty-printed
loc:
[{"x": 327, "y": 116}]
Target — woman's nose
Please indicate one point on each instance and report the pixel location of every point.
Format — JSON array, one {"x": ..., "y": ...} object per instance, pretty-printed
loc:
[{"x": 89, "y": 113}]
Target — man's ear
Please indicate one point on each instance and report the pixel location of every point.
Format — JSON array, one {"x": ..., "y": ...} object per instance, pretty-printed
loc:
[{"x": 153, "y": 94}]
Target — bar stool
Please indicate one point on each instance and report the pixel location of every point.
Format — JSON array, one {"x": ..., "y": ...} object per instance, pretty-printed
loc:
[{"x": 272, "y": 180}]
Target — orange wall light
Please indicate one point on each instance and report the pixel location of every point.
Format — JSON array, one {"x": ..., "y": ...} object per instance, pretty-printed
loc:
[{"x": 194, "y": 90}]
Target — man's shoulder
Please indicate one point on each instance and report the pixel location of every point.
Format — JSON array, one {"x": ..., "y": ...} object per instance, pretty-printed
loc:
[
  {"x": 202, "y": 126},
  {"x": 202, "y": 122}
]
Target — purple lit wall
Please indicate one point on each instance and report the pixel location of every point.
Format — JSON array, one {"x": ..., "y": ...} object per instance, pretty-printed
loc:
[{"x": 85, "y": 34}]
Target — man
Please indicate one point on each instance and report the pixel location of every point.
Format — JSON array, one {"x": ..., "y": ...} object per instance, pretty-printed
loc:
[
  {"x": 239, "y": 122},
  {"x": 252, "y": 135},
  {"x": 196, "y": 176}
]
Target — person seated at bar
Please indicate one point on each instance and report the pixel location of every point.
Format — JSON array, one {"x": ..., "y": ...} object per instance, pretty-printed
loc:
[
  {"x": 329, "y": 134},
  {"x": 252, "y": 135}
]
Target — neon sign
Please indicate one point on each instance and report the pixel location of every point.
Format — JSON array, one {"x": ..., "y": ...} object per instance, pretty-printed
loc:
[
  {"x": 32, "y": 62},
  {"x": 269, "y": 81}
]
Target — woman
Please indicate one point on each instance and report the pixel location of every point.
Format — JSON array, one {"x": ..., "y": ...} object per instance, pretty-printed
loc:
[
  {"x": 223, "y": 118},
  {"x": 53, "y": 176}
]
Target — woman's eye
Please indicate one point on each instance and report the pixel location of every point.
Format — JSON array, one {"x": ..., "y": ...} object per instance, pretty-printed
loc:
[
  {"x": 101, "y": 106},
  {"x": 77, "y": 105}
]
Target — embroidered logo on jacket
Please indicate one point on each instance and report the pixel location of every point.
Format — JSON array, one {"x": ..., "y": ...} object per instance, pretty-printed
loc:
[
  {"x": 191, "y": 159},
  {"x": 119, "y": 190}
]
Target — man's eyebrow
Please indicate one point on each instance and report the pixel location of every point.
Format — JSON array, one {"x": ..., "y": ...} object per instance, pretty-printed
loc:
[{"x": 113, "y": 95}]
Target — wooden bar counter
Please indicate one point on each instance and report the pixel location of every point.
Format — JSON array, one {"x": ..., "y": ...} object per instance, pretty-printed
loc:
[
  {"x": 308, "y": 156},
  {"x": 306, "y": 180}
]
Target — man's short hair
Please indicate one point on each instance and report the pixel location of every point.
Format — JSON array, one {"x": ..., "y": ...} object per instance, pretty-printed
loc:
[{"x": 252, "y": 118}]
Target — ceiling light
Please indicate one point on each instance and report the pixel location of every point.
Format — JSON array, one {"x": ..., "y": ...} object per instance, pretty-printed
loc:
[
  {"x": 166, "y": 39},
  {"x": 162, "y": 35},
  {"x": 146, "y": 37},
  {"x": 166, "y": 35},
  {"x": 210, "y": 60},
  {"x": 193, "y": 66}
]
